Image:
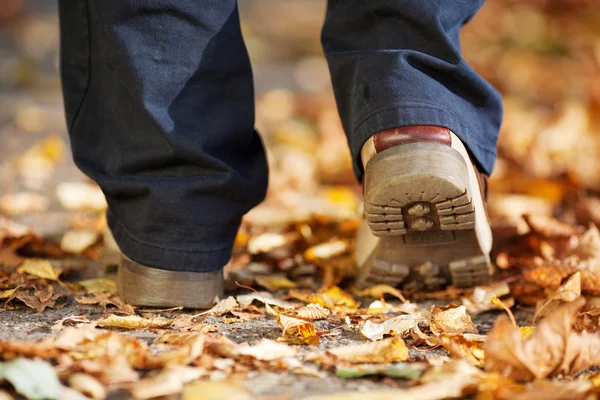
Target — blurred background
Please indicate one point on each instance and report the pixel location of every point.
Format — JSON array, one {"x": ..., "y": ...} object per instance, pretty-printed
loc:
[{"x": 543, "y": 55}]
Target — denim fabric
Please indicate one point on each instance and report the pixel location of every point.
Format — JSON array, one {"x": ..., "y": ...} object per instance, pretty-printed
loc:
[{"x": 159, "y": 104}]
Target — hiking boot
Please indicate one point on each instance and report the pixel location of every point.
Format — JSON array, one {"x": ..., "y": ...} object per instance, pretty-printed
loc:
[
  {"x": 425, "y": 220},
  {"x": 139, "y": 285}
]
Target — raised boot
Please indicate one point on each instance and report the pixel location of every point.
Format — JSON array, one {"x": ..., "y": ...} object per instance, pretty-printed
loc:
[{"x": 425, "y": 219}]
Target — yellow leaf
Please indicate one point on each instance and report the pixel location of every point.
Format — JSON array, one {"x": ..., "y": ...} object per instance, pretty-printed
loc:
[
  {"x": 274, "y": 283},
  {"x": 40, "y": 268},
  {"x": 294, "y": 328},
  {"x": 76, "y": 241},
  {"x": 452, "y": 319},
  {"x": 7, "y": 293},
  {"x": 214, "y": 390},
  {"x": 313, "y": 312},
  {"x": 379, "y": 291},
  {"x": 133, "y": 322},
  {"x": 526, "y": 331},
  {"x": 99, "y": 285},
  {"x": 385, "y": 351},
  {"x": 326, "y": 250}
]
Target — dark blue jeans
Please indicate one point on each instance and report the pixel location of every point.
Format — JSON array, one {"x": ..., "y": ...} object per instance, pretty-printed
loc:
[{"x": 159, "y": 104}]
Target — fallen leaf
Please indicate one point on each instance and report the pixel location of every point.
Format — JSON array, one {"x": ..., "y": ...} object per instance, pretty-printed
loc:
[
  {"x": 400, "y": 370},
  {"x": 295, "y": 329},
  {"x": 384, "y": 351},
  {"x": 17, "y": 204},
  {"x": 40, "y": 268},
  {"x": 481, "y": 298},
  {"x": 468, "y": 347},
  {"x": 41, "y": 299},
  {"x": 332, "y": 298},
  {"x": 210, "y": 390},
  {"x": 19, "y": 373},
  {"x": 568, "y": 292},
  {"x": 451, "y": 319},
  {"x": 379, "y": 291},
  {"x": 274, "y": 283},
  {"x": 312, "y": 312},
  {"x": 80, "y": 196},
  {"x": 169, "y": 381},
  {"x": 326, "y": 250},
  {"x": 553, "y": 348},
  {"x": 99, "y": 285},
  {"x": 223, "y": 306},
  {"x": 393, "y": 326},
  {"x": 263, "y": 297},
  {"x": 549, "y": 227},
  {"x": 266, "y": 350},
  {"x": 266, "y": 242},
  {"x": 5, "y": 294},
  {"x": 77, "y": 241},
  {"x": 133, "y": 322},
  {"x": 88, "y": 386}
]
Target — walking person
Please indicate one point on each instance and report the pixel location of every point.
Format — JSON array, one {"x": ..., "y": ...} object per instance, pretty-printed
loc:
[{"x": 160, "y": 109}]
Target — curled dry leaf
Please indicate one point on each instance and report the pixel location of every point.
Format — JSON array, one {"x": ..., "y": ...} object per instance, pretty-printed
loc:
[
  {"x": 569, "y": 291},
  {"x": 451, "y": 319},
  {"x": 297, "y": 330},
  {"x": 76, "y": 241},
  {"x": 133, "y": 322},
  {"x": 41, "y": 299},
  {"x": 379, "y": 291},
  {"x": 312, "y": 312},
  {"x": 468, "y": 347},
  {"x": 588, "y": 245},
  {"x": 223, "y": 306},
  {"x": 393, "y": 326},
  {"x": 553, "y": 348},
  {"x": 40, "y": 268}
]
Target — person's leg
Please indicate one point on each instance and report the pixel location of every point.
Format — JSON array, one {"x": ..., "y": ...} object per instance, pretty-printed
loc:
[
  {"x": 405, "y": 97},
  {"x": 159, "y": 103}
]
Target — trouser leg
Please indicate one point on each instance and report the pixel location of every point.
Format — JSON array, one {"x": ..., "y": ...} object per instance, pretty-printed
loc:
[
  {"x": 398, "y": 63},
  {"x": 159, "y": 103}
]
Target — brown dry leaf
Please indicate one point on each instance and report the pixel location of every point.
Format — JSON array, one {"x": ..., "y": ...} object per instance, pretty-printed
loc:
[
  {"x": 549, "y": 227},
  {"x": 40, "y": 268},
  {"x": 133, "y": 322},
  {"x": 263, "y": 297},
  {"x": 468, "y": 347},
  {"x": 312, "y": 312},
  {"x": 553, "y": 348},
  {"x": 77, "y": 241},
  {"x": 451, "y": 319},
  {"x": 379, "y": 291},
  {"x": 588, "y": 245},
  {"x": 295, "y": 330},
  {"x": 185, "y": 348},
  {"x": 88, "y": 386},
  {"x": 547, "y": 390},
  {"x": 568, "y": 292},
  {"x": 548, "y": 275},
  {"x": 384, "y": 351},
  {"x": 41, "y": 299},
  {"x": 169, "y": 381},
  {"x": 275, "y": 282}
]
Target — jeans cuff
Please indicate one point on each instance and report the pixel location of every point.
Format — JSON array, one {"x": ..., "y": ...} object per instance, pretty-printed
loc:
[
  {"x": 165, "y": 258},
  {"x": 423, "y": 114}
]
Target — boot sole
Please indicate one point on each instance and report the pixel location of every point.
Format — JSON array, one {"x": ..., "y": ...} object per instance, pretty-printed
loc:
[{"x": 421, "y": 203}]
